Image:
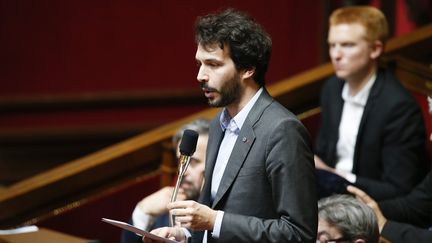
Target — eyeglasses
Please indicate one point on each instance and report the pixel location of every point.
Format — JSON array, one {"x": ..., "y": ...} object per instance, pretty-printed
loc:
[
  {"x": 338, "y": 240},
  {"x": 323, "y": 238}
]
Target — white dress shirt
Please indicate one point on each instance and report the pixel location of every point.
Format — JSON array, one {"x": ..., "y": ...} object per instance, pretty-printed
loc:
[
  {"x": 142, "y": 220},
  {"x": 348, "y": 128}
]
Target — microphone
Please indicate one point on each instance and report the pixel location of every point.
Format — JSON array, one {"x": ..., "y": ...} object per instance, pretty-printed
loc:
[{"x": 187, "y": 148}]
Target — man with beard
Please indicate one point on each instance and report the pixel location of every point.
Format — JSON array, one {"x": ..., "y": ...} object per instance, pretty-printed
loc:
[
  {"x": 259, "y": 178},
  {"x": 152, "y": 212}
]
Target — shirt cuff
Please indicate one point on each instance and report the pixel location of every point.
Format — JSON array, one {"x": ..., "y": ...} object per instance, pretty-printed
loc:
[
  {"x": 142, "y": 220},
  {"x": 187, "y": 233},
  {"x": 351, "y": 177},
  {"x": 218, "y": 224}
]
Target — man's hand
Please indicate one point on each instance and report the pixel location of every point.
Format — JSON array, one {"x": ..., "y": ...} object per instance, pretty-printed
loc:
[
  {"x": 319, "y": 164},
  {"x": 366, "y": 199},
  {"x": 155, "y": 204},
  {"x": 172, "y": 233},
  {"x": 192, "y": 215}
]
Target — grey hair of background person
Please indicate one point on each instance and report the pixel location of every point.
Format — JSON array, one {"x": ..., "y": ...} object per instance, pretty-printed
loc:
[
  {"x": 353, "y": 219},
  {"x": 201, "y": 126}
]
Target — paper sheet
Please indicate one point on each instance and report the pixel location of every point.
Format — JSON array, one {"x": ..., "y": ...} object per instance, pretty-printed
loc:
[
  {"x": 134, "y": 229},
  {"x": 25, "y": 229}
]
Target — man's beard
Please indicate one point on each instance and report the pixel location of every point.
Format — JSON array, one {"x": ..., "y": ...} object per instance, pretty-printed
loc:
[
  {"x": 191, "y": 191},
  {"x": 229, "y": 92}
]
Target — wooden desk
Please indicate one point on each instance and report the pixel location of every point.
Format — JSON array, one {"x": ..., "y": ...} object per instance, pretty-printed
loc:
[{"x": 44, "y": 236}]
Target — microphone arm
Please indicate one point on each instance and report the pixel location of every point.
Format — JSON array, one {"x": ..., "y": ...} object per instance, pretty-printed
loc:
[
  {"x": 187, "y": 148},
  {"x": 183, "y": 165}
]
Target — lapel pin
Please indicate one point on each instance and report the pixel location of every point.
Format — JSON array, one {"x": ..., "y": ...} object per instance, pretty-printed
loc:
[{"x": 244, "y": 139}]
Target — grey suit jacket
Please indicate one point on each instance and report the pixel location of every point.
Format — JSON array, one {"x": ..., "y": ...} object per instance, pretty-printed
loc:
[{"x": 268, "y": 190}]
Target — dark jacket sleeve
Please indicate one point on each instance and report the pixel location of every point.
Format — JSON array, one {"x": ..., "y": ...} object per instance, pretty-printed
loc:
[
  {"x": 415, "y": 208},
  {"x": 402, "y": 140},
  {"x": 405, "y": 233},
  {"x": 331, "y": 107}
]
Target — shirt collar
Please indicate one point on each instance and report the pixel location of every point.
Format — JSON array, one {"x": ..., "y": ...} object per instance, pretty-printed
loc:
[
  {"x": 361, "y": 97},
  {"x": 236, "y": 123}
]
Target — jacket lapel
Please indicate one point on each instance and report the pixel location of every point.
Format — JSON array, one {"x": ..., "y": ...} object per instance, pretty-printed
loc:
[
  {"x": 215, "y": 139},
  {"x": 374, "y": 92},
  {"x": 336, "y": 115},
  {"x": 241, "y": 149},
  {"x": 242, "y": 146}
]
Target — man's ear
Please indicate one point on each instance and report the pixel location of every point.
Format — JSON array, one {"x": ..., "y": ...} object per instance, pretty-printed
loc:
[
  {"x": 377, "y": 49},
  {"x": 248, "y": 73}
]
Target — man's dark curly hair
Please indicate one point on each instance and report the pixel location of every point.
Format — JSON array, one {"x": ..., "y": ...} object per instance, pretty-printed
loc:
[{"x": 249, "y": 44}]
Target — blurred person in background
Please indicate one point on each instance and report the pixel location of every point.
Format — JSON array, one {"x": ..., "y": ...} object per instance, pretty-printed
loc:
[
  {"x": 152, "y": 212},
  {"x": 372, "y": 132}
]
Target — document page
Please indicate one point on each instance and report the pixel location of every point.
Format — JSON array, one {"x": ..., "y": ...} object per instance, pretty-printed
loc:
[{"x": 136, "y": 230}]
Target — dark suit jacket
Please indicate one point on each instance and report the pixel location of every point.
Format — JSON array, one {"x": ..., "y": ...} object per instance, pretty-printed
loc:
[
  {"x": 268, "y": 188},
  {"x": 390, "y": 141},
  {"x": 414, "y": 210},
  {"x": 130, "y": 237}
]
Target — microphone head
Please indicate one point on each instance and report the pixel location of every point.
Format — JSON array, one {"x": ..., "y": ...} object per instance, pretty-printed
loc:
[{"x": 188, "y": 142}]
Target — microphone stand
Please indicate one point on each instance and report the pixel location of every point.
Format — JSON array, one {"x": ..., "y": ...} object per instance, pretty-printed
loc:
[{"x": 183, "y": 165}]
